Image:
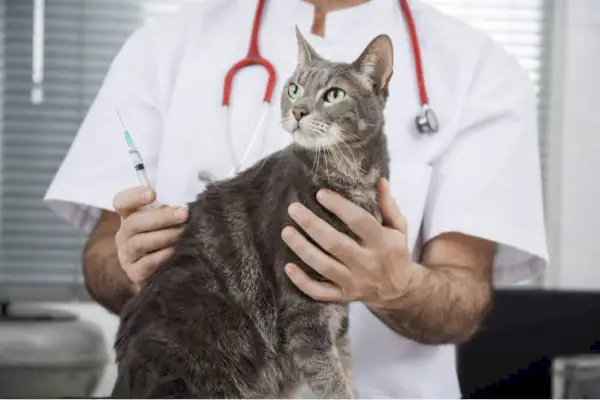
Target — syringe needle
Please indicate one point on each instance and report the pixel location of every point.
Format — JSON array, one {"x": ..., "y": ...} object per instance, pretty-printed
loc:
[{"x": 120, "y": 119}]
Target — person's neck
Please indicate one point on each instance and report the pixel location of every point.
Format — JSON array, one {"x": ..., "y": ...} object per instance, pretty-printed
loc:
[
  {"x": 333, "y": 5},
  {"x": 322, "y": 7}
]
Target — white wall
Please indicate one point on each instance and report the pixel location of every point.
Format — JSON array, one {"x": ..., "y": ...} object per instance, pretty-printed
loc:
[{"x": 574, "y": 197}]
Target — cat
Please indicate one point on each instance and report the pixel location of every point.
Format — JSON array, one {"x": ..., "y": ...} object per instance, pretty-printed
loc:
[{"x": 221, "y": 319}]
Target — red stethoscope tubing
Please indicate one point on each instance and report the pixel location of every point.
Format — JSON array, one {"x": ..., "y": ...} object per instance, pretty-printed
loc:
[
  {"x": 414, "y": 41},
  {"x": 254, "y": 57}
]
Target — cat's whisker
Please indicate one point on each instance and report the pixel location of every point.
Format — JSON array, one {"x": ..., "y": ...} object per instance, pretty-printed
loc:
[
  {"x": 334, "y": 155},
  {"x": 326, "y": 167},
  {"x": 340, "y": 139},
  {"x": 316, "y": 161},
  {"x": 315, "y": 165},
  {"x": 334, "y": 147},
  {"x": 349, "y": 134},
  {"x": 320, "y": 150},
  {"x": 352, "y": 154},
  {"x": 350, "y": 166},
  {"x": 356, "y": 163}
]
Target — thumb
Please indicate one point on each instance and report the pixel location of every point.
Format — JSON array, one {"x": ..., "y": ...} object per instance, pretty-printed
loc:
[
  {"x": 131, "y": 200},
  {"x": 390, "y": 212}
]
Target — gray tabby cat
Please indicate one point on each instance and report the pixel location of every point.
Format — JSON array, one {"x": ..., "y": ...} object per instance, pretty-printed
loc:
[{"x": 221, "y": 319}]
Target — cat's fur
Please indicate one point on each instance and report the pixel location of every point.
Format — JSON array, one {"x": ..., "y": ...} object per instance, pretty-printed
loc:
[{"x": 221, "y": 319}]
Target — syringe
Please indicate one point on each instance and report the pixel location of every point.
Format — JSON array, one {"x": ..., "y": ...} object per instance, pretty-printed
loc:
[{"x": 134, "y": 154}]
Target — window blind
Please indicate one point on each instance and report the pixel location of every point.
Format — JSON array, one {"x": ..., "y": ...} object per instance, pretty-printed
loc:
[
  {"x": 2, "y": 54},
  {"x": 40, "y": 257},
  {"x": 523, "y": 28}
]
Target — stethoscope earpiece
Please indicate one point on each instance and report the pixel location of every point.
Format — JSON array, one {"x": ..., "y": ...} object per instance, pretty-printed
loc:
[{"x": 427, "y": 121}]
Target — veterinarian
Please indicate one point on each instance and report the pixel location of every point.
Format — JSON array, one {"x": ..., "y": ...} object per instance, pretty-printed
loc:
[{"x": 462, "y": 208}]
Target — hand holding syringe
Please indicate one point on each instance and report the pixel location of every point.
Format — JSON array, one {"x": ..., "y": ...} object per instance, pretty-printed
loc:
[{"x": 147, "y": 233}]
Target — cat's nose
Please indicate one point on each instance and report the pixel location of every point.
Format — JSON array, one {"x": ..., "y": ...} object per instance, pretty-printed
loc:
[{"x": 299, "y": 112}]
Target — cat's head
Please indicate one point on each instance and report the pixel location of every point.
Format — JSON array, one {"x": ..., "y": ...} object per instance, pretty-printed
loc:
[{"x": 326, "y": 103}]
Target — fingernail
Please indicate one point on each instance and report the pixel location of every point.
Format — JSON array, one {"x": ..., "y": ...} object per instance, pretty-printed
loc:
[
  {"x": 287, "y": 232},
  {"x": 146, "y": 195},
  {"x": 289, "y": 268},
  {"x": 321, "y": 195},
  {"x": 384, "y": 184},
  {"x": 294, "y": 209},
  {"x": 181, "y": 213}
]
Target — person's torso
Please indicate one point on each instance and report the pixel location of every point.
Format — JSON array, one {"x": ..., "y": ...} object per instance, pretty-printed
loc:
[{"x": 195, "y": 141}]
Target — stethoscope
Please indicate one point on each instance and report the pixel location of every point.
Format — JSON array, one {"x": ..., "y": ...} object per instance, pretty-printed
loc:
[{"x": 426, "y": 122}]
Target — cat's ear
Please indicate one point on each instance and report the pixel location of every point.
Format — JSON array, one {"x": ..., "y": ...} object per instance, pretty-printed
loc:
[
  {"x": 306, "y": 54},
  {"x": 377, "y": 62}
]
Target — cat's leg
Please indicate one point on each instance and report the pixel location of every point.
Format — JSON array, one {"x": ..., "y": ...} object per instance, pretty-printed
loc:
[
  {"x": 312, "y": 343},
  {"x": 293, "y": 390},
  {"x": 321, "y": 365},
  {"x": 342, "y": 344},
  {"x": 210, "y": 349},
  {"x": 142, "y": 375},
  {"x": 343, "y": 347}
]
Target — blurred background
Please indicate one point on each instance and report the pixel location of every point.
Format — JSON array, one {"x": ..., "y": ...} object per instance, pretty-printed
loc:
[{"x": 541, "y": 339}]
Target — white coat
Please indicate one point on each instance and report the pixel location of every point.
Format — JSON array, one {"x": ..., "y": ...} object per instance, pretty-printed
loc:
[{"x": 479, "y": 175}]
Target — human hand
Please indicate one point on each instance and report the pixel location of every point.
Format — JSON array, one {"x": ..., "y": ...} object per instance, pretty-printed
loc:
[
  {"x": 375, "y": 269},
  {"x": 147, "y": 236}
]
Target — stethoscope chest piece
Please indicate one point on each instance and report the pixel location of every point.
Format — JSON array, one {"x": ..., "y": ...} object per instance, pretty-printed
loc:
[
  {"x": 427, "y": 121},
  {"x": 206, "y": 176}
]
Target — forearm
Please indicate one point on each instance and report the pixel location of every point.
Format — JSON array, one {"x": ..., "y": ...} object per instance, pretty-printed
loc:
[
  {"x": 105, "y": 280},
  {"x": 441, "y": 305}
]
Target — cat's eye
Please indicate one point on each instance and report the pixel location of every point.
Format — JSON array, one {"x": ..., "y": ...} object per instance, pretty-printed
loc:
[
  {"x": 335, "y": 95},
  {"x": 294, "y": 91}
]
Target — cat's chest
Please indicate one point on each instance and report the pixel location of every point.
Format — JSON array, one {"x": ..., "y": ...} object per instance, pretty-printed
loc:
[{"x": 365, "y": 200}]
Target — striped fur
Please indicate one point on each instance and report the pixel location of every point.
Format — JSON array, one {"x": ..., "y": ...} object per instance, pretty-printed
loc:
[{"x": 221, "y": 319}]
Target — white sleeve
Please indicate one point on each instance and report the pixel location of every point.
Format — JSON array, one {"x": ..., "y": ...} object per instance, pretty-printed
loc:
[
  {"x": 97, "y": 165},
  {"x": 487, "y": 183}
]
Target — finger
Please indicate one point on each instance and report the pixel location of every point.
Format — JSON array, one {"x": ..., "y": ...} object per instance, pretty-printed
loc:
[
  {"x": 145, "y": 243},
  {"x": 153, "y": 220},
  {"x": 390, "y": 212},
  {"x": 317, "y": 290},
  {"x": 336, "y": 243},
  {"x": 133, "y": 199},
  {"x": 315, "y": 258},
  {"x": 363, "y": 224},
  {"x": 143, "y": 269}
]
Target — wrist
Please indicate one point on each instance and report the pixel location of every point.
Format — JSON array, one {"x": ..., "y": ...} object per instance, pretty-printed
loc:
[{"x": 406, "y": 281}]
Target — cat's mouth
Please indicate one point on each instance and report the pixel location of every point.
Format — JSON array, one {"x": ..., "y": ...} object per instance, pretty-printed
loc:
[
  {"x": 311, "y": 134},
  {"x": 309, "y": 139},
  {"x": 307, "y": 132}
]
